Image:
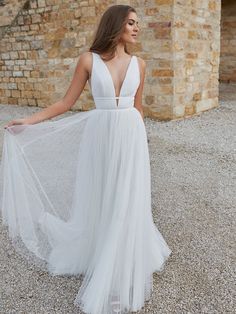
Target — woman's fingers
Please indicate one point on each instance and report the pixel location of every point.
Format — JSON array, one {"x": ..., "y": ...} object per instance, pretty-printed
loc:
[
  {"x": 10, "y": 124},
  {"x": 13, "y": 122},
  {"x": 15, "y": 126}
]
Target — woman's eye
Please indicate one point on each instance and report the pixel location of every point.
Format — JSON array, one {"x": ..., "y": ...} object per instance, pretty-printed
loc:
[{"x": 131, "y": 23}]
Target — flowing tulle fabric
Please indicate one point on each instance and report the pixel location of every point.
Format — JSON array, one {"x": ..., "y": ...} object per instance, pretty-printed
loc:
[{"x": 76, "y": 198}]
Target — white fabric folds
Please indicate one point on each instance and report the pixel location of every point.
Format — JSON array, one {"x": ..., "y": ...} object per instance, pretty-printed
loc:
[{"x": 76, "y": 198}]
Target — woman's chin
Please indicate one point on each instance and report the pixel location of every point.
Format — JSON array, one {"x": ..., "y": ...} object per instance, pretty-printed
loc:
[{"x": 132, "y": 41}]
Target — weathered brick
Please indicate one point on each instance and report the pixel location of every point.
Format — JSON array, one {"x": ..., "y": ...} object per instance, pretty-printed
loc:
[
  {"x": 15, "y": 93},
  {"x": 36, "y": 18},
  {"x": 20, "y": 20},
  {"x": 152, "y": 11},
  {"x": 27, "y": 20},
  {"x": 12, "y": 86},
  {"x": 88, "y": 11},
  {"x": 149, "y": 100},
  {"x": 41, "y": 3},
  {"x": 22, "y": 54},
  {"x": 16, "y": 46},
  {"x": 33, "y": 4},
  {"x": 36, "y": 44},
  {"x": 12, "y": 101},
  {"x": 180, "y": 42},
  {"x": 32, "y": 102},
  {"x": 164, "y": 2},
  {"x": 5, "y": 56},
  {"x": 34, "y": 73},
  {"x": 162, "y": 72},
  {"x": 25, "y": 46},
  {"x": 22, "y": 101}
]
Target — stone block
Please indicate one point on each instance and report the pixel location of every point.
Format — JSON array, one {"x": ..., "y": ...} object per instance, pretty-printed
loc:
[
  {"x": 164, "y": 2},
  {"x": 22, "y": 102},
  {"x": 27, "y": 20},
  {"x": 34, "y": 73},
  {"x": 179, "y": 111},
  {"x": 151, "y": 11},
  {"x": 162, "y": 72},
  {"x": 21, "y": 86},
  {"x": 88, "y": 11},
  {"x": 12, "y": 86},
  {"x": 20, "y": 20},
  {"x": 36, "y": 18},
  {"x": 197, "y": 96},
  {"x": 5, "y": 56},
  {"x": 12, "y": 101},
  {"x": 36, "y": 44},
  {"x": 17, "y": 74},
  {"x": 190, "y": 110},
  {"x": 206, "y": 104},
  {"x": 15, "y": 93},
  {"x": 149, "y": 100},
  {"x": 41, "y": 3},
  {"x": 25, "y": 46},
  {"x": 32, "y": 102}
]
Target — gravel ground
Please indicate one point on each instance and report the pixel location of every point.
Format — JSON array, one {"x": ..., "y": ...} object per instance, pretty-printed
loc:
[{"x": 193, "y": 195}]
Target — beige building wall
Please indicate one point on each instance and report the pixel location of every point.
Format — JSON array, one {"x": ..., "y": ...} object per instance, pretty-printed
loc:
[
  {"x": 179, "y": 40},
  {"x": 8, "y": 10},
  {"x": 196, "y": 50}
]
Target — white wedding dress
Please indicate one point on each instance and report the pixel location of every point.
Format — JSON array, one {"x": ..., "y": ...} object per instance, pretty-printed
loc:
[{"x": 76, "y": 197}]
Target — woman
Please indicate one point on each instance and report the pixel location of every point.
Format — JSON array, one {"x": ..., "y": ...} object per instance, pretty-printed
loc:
[{"x": 76, "y": 192}]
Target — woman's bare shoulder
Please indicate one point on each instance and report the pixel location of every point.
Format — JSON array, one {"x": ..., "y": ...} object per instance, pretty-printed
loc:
[
  {"x": 142, "y": 65},
  {"x": 86, "y": 57},
  {"x": 85, "y": 60},
  {"x": 142, "y": 62}
]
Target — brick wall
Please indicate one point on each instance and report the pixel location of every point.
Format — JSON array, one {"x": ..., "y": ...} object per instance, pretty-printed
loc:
[
  {"x": 40, "y": 49},
  {"x": 196, "y": 49},
  {"x": 156, "y": 49},
  {"x": 8, "y": 10},
  {"x": 179, "y": 41}
]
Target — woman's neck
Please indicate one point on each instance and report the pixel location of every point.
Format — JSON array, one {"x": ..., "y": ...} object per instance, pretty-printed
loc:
[{"x": 120, "y": 50}]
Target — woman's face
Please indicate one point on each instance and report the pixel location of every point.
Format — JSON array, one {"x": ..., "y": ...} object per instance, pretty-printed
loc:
[{"x": 131, "y": 29}]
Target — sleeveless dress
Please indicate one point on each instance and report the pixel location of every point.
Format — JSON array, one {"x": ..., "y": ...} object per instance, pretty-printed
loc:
[{"x": 76, "y": 197}]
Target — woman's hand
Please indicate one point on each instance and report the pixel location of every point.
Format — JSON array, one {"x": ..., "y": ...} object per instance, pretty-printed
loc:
[
  {"x": 76, "y": 87},
  {"x": 15, "y": 122}
]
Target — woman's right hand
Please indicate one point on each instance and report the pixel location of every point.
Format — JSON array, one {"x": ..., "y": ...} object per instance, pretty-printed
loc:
[{"x": 15, "y": 122}]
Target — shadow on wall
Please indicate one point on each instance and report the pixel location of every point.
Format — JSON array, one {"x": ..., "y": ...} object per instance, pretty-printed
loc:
[
  {"x": 228, "y": 42},
  {"x": 227, "y": 92}
]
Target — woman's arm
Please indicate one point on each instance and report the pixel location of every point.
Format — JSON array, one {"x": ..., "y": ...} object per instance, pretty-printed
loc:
[
  {"x": 138, "y": 95},
  {"x": 76, "y": 87}
]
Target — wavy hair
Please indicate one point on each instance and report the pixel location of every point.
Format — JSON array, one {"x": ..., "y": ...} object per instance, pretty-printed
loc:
[{"x": 109, "y": 30}]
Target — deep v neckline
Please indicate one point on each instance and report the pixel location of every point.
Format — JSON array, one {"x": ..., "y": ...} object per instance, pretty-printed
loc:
[{"x": 111, "y": 79}]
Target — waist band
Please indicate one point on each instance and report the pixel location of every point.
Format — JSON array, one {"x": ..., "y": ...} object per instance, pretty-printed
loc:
[{"x": 111, "y": 102}]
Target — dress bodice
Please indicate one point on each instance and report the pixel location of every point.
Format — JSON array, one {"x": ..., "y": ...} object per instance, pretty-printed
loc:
[{"x": 102, "y": 86}]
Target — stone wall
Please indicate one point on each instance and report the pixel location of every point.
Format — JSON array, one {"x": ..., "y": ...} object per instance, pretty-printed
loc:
[
  {"x": 196, "y": 49},
  {"x": 156, "y": 49},
  {"x": 179, "y": 41},
  {"x": 8, "y": 10},
  {"x": 39, "y": 51},
  {"x": 228, "y": 42}
]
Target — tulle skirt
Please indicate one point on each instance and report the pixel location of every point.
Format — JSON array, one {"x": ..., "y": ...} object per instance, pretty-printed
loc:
[{"x": 76, "y": 198}]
